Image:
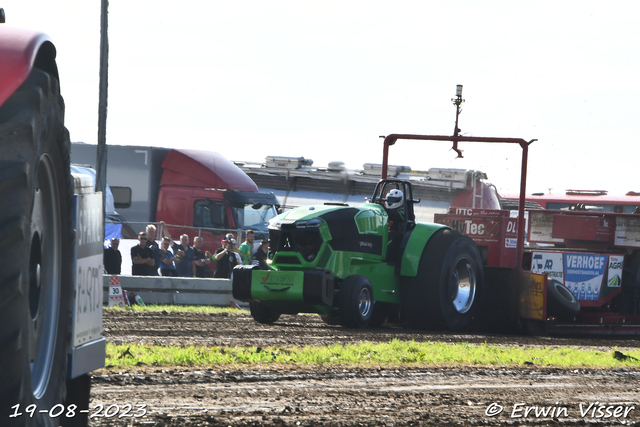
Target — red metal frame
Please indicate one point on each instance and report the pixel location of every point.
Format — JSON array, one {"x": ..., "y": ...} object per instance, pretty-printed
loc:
[{"x": 391, "y": 140}]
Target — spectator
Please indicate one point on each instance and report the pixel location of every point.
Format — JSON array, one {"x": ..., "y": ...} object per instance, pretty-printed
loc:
[
  {"x": 246, "y": 248},
  {"x": 184, "y": 254},
  {"x": 142, "y": 257},
  {"x": 231, "y": 237},
  {"x": 200, "y": 259},
  {"x": 234, "y": 250},
  {"x": 153, "y": 244},
  {"x": 225, "y": 259},
  {"x": 262, "y": 254},
  {"x": 112, "y": 258},
  {"x": 167, "y": 266}
]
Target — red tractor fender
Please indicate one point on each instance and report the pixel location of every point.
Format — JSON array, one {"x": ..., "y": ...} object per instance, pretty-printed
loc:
[{"x": 20, "y": 51}]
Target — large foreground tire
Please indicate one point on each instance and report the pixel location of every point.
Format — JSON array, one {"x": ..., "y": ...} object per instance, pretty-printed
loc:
[
  {"x": 262, "y": 313},
  {"x": 36, "y": 249},
  {"x": 356, "y": 302},
  {"x": 447, "y": 291},
  {"x": 561, "y": 302}
]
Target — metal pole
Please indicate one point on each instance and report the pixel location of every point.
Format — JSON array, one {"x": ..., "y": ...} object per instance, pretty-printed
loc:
[{"x": 101, "y": 156}]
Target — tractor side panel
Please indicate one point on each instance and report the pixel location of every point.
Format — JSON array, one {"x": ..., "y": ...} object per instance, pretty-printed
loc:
[
  {"x": 384, "y": 281},
  {"x": 420, "y": 235}
]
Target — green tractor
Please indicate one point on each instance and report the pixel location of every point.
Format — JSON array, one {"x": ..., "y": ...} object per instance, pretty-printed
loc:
[{"x": 360, "y": 266}]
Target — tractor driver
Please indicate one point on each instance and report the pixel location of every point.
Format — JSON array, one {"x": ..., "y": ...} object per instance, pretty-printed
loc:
[{"x": 394, "y": 203}]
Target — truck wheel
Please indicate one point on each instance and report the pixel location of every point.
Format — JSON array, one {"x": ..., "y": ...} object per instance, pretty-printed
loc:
[
  {"x": 36, "y": 280},
  {"x": 262, "y": 314},
  {"x": 561, "y": 302},
  {"x": 356, "y": 302},
  {"x": 447, "y": 290}
]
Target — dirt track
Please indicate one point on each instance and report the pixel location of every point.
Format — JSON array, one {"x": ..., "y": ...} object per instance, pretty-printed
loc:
[{"x": 289, "y": 396}]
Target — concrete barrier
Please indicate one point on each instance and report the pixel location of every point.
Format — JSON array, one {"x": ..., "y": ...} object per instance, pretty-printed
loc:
[{"x": 176, "y": 290}]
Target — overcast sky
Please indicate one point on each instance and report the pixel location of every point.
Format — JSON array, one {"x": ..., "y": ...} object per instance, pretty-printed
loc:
[{"x": 324, "y": 79}]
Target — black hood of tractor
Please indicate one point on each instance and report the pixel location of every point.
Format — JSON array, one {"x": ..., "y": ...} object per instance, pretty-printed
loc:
[{"x": 345, "y": 235}]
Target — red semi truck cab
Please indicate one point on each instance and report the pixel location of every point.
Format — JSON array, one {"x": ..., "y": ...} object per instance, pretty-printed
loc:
[{"x": 194, "y": 192}]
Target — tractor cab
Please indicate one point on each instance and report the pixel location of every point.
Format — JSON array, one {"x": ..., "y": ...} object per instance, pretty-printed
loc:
[{"x": 402, "y": 219}]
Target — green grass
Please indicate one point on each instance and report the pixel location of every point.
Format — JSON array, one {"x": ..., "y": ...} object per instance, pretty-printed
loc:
[{"x": 393, "y": 353}]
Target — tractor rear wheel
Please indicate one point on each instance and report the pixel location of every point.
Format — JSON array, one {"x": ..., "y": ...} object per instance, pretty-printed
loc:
[
  {"x": 356, "y": 302},
  {"x": 262, "y": 313},
  {"x": 447, "y": 291},
  {"x": 36, "y": 281}
]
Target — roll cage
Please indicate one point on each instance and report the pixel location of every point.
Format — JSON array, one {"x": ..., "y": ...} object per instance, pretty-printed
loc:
[{"x": 382, "y": 189}]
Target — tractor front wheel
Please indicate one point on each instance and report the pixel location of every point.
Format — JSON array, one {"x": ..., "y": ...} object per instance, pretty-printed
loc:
[
  {"x": 356, "y": 302},
  {"x": 262, "y": 313}
]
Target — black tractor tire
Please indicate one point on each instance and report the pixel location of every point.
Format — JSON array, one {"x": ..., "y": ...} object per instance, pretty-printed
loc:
[
  {"x": 330, "y": 320},
  {"x": 37, "y": 247},
  {"x": 561, "y": 302},
  {"x": 379, "y": 315},
  {"x": 262, "y": 313},
  {"x": 447, "y": 291},
  {"x": 356, "y": 302}
]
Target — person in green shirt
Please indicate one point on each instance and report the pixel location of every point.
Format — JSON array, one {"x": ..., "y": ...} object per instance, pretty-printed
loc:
[{"x": 246, "y": 248}]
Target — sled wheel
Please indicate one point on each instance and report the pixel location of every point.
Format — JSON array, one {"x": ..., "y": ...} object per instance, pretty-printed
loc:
[
  {"x": 262, "y": 313},
  {"x": 561, "y": 302},
  {"x": 447, "y": 291},
  {"x": 36, "y": 281},
  {"x": 535, "y": 328},
  {"x": 356, "y": 302}
]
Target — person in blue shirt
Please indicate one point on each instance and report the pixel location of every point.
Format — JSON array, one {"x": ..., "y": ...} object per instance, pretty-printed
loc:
[
  {"x": 167, "y": 263},
  {"x": 184, "y": 254}
]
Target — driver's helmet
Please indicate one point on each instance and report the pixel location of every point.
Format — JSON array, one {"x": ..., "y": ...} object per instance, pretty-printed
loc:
[{"x": 395, "y": 199}]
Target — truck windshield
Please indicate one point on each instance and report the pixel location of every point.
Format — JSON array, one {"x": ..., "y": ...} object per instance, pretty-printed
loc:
[{"x": 254, "y": 216}]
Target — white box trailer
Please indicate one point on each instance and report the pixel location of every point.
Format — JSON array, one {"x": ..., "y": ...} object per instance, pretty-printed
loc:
[{"x": 133, "y": 173}]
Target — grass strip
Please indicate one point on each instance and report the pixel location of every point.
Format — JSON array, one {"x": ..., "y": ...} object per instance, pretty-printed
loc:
[{"x": 393, "y": 353}]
